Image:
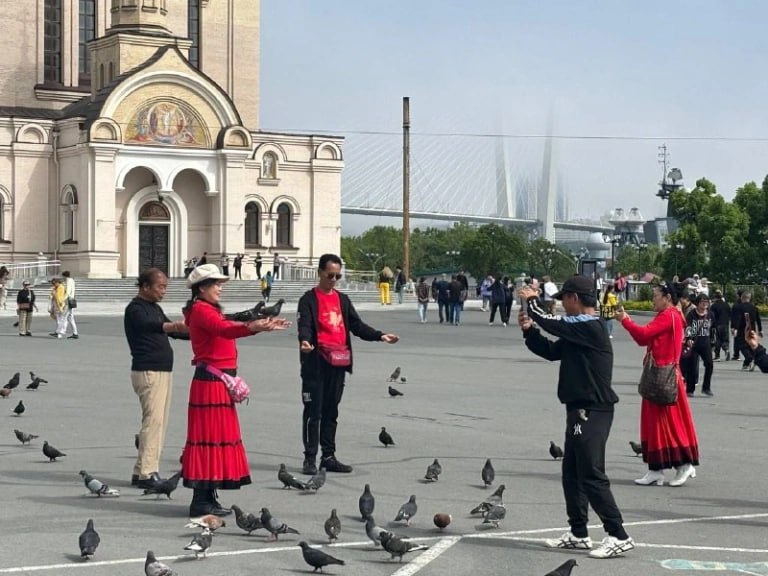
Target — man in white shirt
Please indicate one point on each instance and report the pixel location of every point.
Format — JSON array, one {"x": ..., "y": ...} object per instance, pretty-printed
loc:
[
  {"x": 71, "y": 304},
  {"x": 550, "y": 289}
]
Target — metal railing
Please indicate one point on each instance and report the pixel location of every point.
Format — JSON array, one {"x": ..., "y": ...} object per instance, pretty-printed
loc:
[{"x": 37, "y": 270}]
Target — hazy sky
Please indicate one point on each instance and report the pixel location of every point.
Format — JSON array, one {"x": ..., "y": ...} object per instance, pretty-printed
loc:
[{"x": 634, "y": 70}]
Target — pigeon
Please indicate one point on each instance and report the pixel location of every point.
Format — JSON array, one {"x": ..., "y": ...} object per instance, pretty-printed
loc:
[
  {"x": 317, "y": 558},
  {"x": 407, "y": 511},
  {"x": 403, "y": 379},
  {"x": 288, "y": 479},
  {"x": 200, "y": 544},
  {"x": 490, "y": 502},
  {"x": 23, "y": 437},
  {"x": 396, "y": 546},
  {"x": 13, "y": 382},
  {"x": 488, "y": 473},
  {"x": 96, "y": 486},
  {"x": 564, "y": 569},
  {"x": 385, "y": 438},
  {"x": 89, "y": 541},
  {"x": 246, "y": 315},
  {"x": 166, "y": 487},
  {"x": 33, "y": 376},
  {"x": 442, "y": 520},
  {"x": 366, "y": 502},
  {"x": 246, "y": 521},
  {"x": 19, "y": 410},
  {"x": 332, "y": 526},
  {"x": 272, "y": 311},
  {"x": 373, "y": 531},
  {"x": 495, "y": 515},
  {"x": 136, "y": 441},
  {"x": 35, "y": 384},
  {"x": 51, "y": 452},
  {"x": 636, "y": 448},
  {"x": 274, "y": 526},
  {"x": 207, "y": 522},
  {"x": 395, "y": 375},
  {"x": 555, "y": 451},
  {"x": 153, "y": 567},
  {"x": 5, "y": 392},
  {"x": 433, "y": 471},
  {"x": 395, "y": 392},
  {"x": 317, "y": 481}
]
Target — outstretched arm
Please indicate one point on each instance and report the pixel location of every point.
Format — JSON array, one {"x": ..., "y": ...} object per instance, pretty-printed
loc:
[{"x": 644, "y": 334}]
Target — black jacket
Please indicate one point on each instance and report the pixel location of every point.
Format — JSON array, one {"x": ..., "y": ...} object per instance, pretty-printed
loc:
[
  {"x": 307, "y": 322},
  {"x": 754, "y": 316},
  {"x": 761, "y": 359},
  {"x": 26, "y": 297},
  {"x": 721, "y": 311},
  {"x": 585, "y": 354}
]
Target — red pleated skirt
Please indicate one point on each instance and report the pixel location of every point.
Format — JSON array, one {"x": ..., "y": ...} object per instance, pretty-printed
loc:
[
  {"x": 214, "y": 456},
  {"x": 668, "y": 434}
]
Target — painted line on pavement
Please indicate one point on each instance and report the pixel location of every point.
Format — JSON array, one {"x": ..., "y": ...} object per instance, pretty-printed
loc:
[
  {"x": 427, "y": 556},
  {"x": 667, "y": 546}
]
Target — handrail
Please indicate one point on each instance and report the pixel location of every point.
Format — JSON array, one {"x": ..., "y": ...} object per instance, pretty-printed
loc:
[{"x": 33, "y": 270}]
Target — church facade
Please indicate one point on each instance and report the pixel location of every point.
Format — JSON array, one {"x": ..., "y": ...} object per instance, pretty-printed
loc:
[{"x": 129, "y": 138}]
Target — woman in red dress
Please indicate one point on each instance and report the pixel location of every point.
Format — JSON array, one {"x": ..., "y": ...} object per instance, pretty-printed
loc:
[
  {"x": 214, "y": 456},
  {"x": 667, "y": 433}
]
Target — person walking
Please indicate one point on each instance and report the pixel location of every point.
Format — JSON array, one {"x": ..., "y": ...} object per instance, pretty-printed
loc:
[
  {"x": 549, "y": 289},
  {"x": 57, "y": 308},
  {"x": 485, "y": 291},
  {"x": 422, "y": 295},
  {"x": 667, "y": 432},
  {"x": 608, "y": 308},
  {"x": 203, "y": 260},
  {"x": 71, "y": 303},
  {"x": 276, "y": 267},
  {"x": 620, "y": 286},
  {"x": 399, "y": 284},
  {"x": 748, "y": 319},
  {"x": 326, "y": 318},
  {"x": 444, "y": 309},
  {"x": 224, "y": 263},
  {"x": 509, "y": 297},
  {"x": 266, "y": 286},
  {"x": 258, "y": 261},
  {"x": 498, "y": 300},
  {"x": 698, "y": 339},
  {"x": 454, "y": 301},
  {"x": 385, "y": 276},
  {"x": 736, "y": 316},
  {"x": 584, "y": 387},
  {"x": 214, "y": 457},
  {"x": 4, "y": 276},
  {"x": 147, "y": 330},
  {"x": 722, "y": 317},
  {"x": 237, "y": 264},
  {"x": 25, "y": 304}
]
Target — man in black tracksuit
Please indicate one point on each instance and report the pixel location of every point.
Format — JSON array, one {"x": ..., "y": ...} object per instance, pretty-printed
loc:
[
  {"x": 325, "y": 319},
  {"x": 746, "y": 309},
  {"x": 584, "y": 386},
  {"x": 735, "y": 316},
  {"x": 722, "y": 314},
  {"x": 698, "y": 339}
]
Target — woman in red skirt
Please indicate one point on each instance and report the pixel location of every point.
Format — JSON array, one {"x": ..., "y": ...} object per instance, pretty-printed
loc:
[
  {"x": 667, "y": 433},
  {"x": 214, "y": 457}
]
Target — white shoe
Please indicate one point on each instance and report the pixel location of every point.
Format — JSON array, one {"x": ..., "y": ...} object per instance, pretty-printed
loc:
[
  {"x": 570, "y": 542},
  {"x": 651, "y": 477},
  {"x": 683, "y": 473},
  {"x": 611, "y": 547},
  {"x": 504, "y": 324}
]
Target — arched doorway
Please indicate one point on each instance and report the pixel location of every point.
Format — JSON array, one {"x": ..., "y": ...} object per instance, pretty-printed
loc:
[{"x": 154, "y": 236}]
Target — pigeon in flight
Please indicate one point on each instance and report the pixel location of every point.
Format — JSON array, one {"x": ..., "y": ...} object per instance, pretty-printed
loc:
[
  {"x": 433, "y": 471},
  {"x": 490, "y": 502},
  {"x": 395, "y": 375},
  {"x": 153, "y": 567},
  {"x": 274, "y": 526},
  {"x": 495, "y": 515},
  {"x": 317, "y": 558},
  {"x": 272, "y": 311},
  {"x": 317, "y": 481},
  {"x": 488, "y": 473},
  {"x": 396, "y": 546},
  {"x": 166, "y": 487},
  {"x": 564, "y": 569},
  {"x": 89, "y": 541},
  {"x": 407, "y": 511},
  {"x": 13, "y": 382},
  {"x": 33, "y": 377},
  {"x": 395, "y": 392},
  {"x": 200, "y": 544},
  {"x": 207, "y": 522},
  {"x": 366, "y": 502},
  {"x": 35, "y": 384},
  {"x": 246, "y": 521},
  {"x": 20, "y": 408},
  {"x": 96, "y": 486},
  {"x": 288, "y": 479},
  {"x": 51, "y": 452},
  {"x": 442, "y": 520},
  {"x": 555, "y": 451},
  {"x": 637, "y": 448},
  {"x": 385, "y": 438},
  {"x": 332, "y": 526},
  {"x": 23, "y": 437},
  {"x": 373, "y": 531}
]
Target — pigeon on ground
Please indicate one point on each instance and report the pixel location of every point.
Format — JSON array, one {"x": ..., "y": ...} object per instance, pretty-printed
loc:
[
  {"x": 5, "y": 392},
  {"x": 442, "y": 520},
  {"x": 13, "y": 382},
  {"x": 89, "y": 541},
  {"x": 207, "y": 522},
  {"x": 23, "y": 437},
  {"x": 166, "y": 486},
  {"x": 51, "y": 452},
  {"x": 33, "y": 376},
  {"x": 395, "y": 392},
  {"x": 637, "y": 448},
  {"x": 407, "y": 511},
  {"x": 136, "y": 441},
  {"x": 555, "y": 451},
  {"x": 247, "y": 315},
  {"x": 246, "y": 521},
  {"x": 317, "y": 481},
  {"x": 366, "y": 502},
  {"x": 317, "y": 558},
  {"x": 274, "y": 526},
  {"x": 490, "y": 502},
  {"x": 395, "y": 375},
  {"x": 333, "y": 526},
  {"x": 373, "y": 531},
  {"x": 200, "y": 544},
  {"x": 495, "y": 515},
  {"x": 96, "y": 486},
  {"x": 288, "y": 479},
  {"x": 34, "y": 385},
  {"x": 385, "y": 438},
  {"x": 564, "y": 569},
  {"x": 19, "y": 410},
  {"x": 396, "y": 546},
  {"x": 433, "y": 471},
  {"x": 272, "y": 311},
  {"x": 488, "y": 473},
  {"x": 153, "y": 567},
  {"x": 403, "y": 379}
]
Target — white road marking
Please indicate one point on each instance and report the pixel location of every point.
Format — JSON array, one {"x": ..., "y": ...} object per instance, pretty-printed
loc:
[
  {"x": 427, "y": 556},
  {"x": 669, "y": 546}
]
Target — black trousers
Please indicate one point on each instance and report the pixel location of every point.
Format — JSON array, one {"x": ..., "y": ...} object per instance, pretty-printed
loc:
[
  {"x": 501, "y": 308},
  {"x": 238, "y": 272},
  {"x": 258, "y": 270},
  {"x": 722, "y": 340},
  {"x": 444, "y": 305},
  {"x": 584, "y": 479},
  {"x": 741, "y": 345},
  {"x": 736, "y": 348},
  {"x": 321, "y": 394},
  {"x": 691, "y": 368}
]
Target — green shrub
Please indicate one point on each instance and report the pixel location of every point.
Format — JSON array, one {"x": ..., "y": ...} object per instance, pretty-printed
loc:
[
  {"x": 642, "y": 305},
  {"x": 645, "y": 292}
]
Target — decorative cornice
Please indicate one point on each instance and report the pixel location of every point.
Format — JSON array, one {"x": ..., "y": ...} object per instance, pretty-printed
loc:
[
  {"x": 62, "y": 94},
  {"x": 21, "y": 149},
  {"x": 268, "y": 181}
]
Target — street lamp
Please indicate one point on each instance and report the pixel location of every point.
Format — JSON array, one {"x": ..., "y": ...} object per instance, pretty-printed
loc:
[
  {"x": 452, "y": 254},
  {"x": 615, "y": 239},
  {"x": 373, "y": 257},
  {"x": 677, "y": 247}
]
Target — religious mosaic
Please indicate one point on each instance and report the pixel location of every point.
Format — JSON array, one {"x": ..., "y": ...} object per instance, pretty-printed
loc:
[{"x": 166, "y": 123}]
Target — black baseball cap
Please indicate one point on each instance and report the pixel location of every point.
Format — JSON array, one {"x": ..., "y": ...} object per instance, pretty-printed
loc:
[{"x": 577, "y": 285}]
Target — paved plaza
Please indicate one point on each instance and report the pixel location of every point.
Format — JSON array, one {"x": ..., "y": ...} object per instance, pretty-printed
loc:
[{"x": 472, "y": 392}]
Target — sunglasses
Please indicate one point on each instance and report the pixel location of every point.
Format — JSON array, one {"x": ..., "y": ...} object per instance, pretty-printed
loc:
[{"x": 333, "y": 276}]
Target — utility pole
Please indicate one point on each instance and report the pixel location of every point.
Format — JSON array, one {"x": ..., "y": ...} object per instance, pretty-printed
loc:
[{"x": 406, "y": 188}]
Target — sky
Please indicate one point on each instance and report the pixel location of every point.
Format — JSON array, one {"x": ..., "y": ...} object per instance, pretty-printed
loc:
[{"x": 611, "y": 76}]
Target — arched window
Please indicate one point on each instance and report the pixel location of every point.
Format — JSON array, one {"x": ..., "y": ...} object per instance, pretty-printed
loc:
[
  {"x": 87, "y": 33},
  {"x": 68, "y": 212},
  {"x": 52, "y": 42},
  {"x": 252, "y": 225},
  {"x": 193, "y": 31},
  {"x": 284, "y": 225}
]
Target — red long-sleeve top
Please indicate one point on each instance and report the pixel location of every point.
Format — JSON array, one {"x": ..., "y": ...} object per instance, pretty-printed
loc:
[
  {"x": 213, "y": 337},
  {"x": 663, "y": 335}
]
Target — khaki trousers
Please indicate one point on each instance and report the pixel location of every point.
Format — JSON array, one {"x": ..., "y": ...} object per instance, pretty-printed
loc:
[{"x": 154, "y": 392}]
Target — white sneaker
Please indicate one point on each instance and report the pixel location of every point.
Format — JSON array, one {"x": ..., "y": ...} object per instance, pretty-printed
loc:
[
  {"x": 651, "y": 477},
  {"x": 570, "y": 542},
  {"x": 683, "y": 473},
  {"x": 611, "y": 547}
]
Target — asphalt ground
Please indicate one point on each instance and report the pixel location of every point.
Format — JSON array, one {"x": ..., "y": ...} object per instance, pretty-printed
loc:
[{"x": 472, "y": 392}]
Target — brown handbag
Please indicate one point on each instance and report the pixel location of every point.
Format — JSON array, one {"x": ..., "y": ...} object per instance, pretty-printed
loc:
[{"x": 658, "y": 384}]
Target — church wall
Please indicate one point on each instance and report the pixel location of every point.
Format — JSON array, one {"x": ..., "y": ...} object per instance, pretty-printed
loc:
[
  {"x": 200, "y": 208},
  {"x": 31, "y": 209}
]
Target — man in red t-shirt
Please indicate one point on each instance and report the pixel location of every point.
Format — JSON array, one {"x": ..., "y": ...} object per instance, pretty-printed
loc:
[{"x": 325, "y": 319}]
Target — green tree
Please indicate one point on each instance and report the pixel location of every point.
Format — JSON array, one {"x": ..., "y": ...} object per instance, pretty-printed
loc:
[
  {"x": 493, "y": 249},
  {"x": 544, "y": 257}
]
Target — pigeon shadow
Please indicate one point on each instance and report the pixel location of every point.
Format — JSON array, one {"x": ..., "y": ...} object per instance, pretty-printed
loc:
[
  {"x": 149, "y": 508},
  {"x": 75, "y": 558}
]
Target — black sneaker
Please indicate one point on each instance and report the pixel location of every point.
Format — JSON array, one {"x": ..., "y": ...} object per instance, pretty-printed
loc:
[
  {"x": 332, "y": 465},
  {"x": 73, "y": 337},
  {"x": 149, "y": 483},
  {"x": 309, "y": 467},
  {"x": 135, "y": 480},
  {"x": 707, "y": 392}
]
